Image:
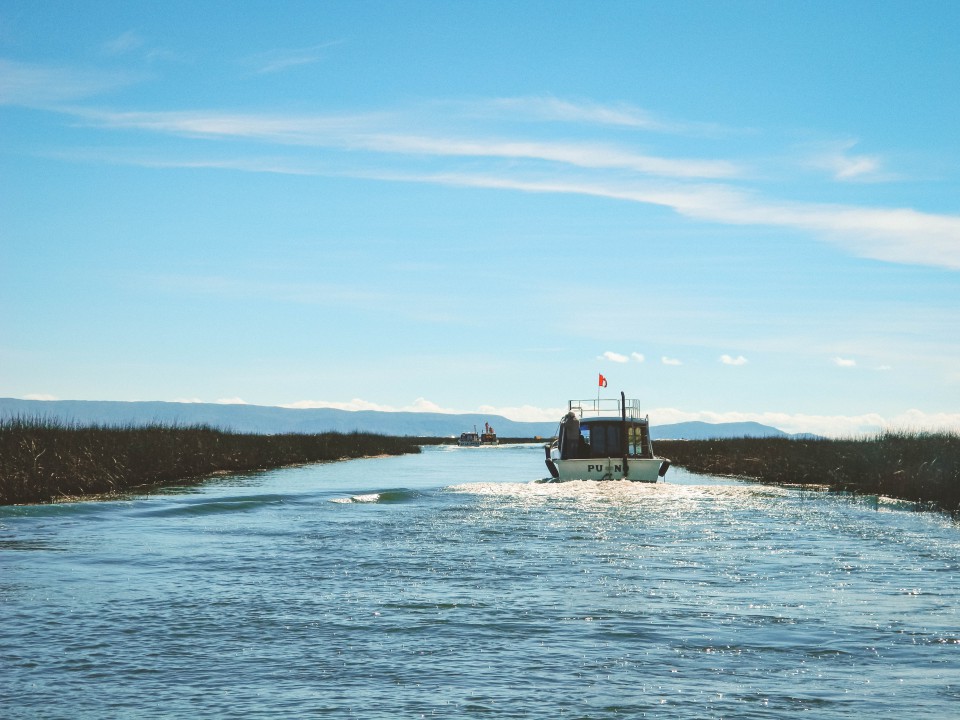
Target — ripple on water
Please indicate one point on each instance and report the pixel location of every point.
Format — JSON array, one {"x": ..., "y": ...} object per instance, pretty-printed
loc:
[{"x": 397, "y": 592}]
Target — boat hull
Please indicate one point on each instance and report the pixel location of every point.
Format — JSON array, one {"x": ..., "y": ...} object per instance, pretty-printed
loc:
[{"x": 638, "y": 469}]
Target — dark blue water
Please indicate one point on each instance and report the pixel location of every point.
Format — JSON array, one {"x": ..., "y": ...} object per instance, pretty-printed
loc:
[{"x": 449, "y": 585}]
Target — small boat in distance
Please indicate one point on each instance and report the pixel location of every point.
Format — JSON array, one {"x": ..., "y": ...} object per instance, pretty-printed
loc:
[
  {"x": 604, "y": 439},
  {"x": 488, "y": 436},
  {"x": 469, "y": 439}
]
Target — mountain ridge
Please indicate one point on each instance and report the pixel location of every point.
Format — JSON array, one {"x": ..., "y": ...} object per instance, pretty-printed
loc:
[{"x": 267, "y": 419}]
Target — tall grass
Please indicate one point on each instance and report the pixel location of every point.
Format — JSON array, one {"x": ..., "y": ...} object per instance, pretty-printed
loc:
[
  {"x": 920, "y": 467},
  {"x": 43, "y": 460}
]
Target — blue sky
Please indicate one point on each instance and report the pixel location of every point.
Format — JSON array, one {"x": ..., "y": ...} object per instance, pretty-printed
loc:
[{"x": 733, "y": 210}]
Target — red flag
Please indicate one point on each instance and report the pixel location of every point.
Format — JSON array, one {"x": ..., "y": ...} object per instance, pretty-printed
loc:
[{"x": 603, "y": 381}]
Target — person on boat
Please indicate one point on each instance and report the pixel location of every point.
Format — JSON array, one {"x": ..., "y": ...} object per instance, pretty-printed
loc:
[{"x": 571, "y": 435}]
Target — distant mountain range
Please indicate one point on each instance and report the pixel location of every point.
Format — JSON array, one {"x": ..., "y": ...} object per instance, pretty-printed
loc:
[{"x": 274, "y": 420}]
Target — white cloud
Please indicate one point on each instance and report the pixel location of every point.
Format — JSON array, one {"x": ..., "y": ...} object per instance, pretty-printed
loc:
[
  {"x": 844, "y": 362},
  {"x": 637, "y": 357},
  {"x": 40, "y": 396},
  {"x": 356, "y": 404},
  {"x": 837, "y": 160},
  {"x": 352, "y": 405},
  {"x": 730, "y": 360},
  {"x": 615, "y": 357},
  {"x": 525, "y": 413},
  {"x": 424, "y": 405},
  {"x": 231, "y": 401},
  {"x": 670, "y": 361}
]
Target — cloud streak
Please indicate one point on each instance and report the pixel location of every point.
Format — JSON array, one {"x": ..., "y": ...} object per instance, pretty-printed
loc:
[
  {"x": 381, "y": 146},
  {"x": 280, "y": 60},
  {"x": 46, "y": 86}
]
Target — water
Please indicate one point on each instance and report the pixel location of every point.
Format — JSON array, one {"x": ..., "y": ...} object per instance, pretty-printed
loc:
[{"x": 449, "y": 585}]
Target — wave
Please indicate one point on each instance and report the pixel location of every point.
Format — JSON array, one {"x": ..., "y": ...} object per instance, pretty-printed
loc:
[
  {"x": 383, "y": 497},
  {"x": 212, "y": 506}
]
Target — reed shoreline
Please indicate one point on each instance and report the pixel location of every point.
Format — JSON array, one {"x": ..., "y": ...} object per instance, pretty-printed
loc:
[
  {"x": 45, "y": 460},
  {"x": 923, "y": 468}
]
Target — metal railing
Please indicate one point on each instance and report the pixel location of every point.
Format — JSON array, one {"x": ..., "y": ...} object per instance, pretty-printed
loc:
[{"x": 606, "y": 407}]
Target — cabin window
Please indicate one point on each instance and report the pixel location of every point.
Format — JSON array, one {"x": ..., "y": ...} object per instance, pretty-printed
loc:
[{"x": 605, "y": 440}]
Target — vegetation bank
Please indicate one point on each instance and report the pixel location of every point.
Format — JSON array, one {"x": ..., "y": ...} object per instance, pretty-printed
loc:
[
  {"x": 920, "y": 467},
  {"x": 43, "y": 460}
]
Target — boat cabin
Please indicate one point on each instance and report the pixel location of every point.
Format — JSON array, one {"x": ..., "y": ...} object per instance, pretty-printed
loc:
[
  {"x": 602, "y": 437},
  {"x": 469, "y": 439}
]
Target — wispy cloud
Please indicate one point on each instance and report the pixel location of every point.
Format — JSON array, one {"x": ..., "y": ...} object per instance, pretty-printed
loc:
[
  {"x": 841, "y": 164},
  {"x": 844, "y": 362},
  {"x": 279, "y": 60},
  {"x": 623, "y": 115},
  {"x": 358, "y": 404},
  {"x": 319, "y": 130},
  {"x": 555, "y": 109},
  {"x": 637, "y": 357},
  {"x": 670, "y": 361},
  {"x": 378, "y": 143},
  {"x": 585, "y": 155},
  {"x": 45, "y": 86},
  {"x": 365, "y": 132},
  {"x": 898, "y": 235},
  {"x": 123, "y": 44}
]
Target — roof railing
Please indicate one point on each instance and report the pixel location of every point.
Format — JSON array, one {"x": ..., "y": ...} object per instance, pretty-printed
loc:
[{"x": 606, "y": 407}]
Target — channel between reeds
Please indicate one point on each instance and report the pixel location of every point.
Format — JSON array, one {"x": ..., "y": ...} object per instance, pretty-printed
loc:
[{"x": 43, "y": 460}]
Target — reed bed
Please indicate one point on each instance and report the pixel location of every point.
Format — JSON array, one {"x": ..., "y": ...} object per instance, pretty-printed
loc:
[
  {"x": 43, "y": 460},
  {"x": 920, "y": 467}
]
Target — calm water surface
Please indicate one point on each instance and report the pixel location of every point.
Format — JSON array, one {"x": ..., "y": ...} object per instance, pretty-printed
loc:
[{"x": 449, "y": 585}]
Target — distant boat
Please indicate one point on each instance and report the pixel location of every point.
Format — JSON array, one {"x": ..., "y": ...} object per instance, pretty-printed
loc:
[
  {"x": 469, "y": 439},
  {"x": 488, "y": 436},
  {"x": 613, "y": 443}
]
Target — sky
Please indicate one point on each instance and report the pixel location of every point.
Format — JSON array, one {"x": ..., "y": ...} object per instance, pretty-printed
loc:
[{"x": 732, "y": 210}]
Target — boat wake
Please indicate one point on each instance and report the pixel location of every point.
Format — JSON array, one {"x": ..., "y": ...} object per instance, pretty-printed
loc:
[
  {"x": 617, "y": 491},
  {"x": 393, "y": 496}
]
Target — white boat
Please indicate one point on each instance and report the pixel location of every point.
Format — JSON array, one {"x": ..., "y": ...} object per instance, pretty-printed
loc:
[{"x": 604, "y": 439}]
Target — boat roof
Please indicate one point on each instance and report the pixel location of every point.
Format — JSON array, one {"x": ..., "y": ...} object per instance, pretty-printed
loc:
[{"x": 596, "y": 409}]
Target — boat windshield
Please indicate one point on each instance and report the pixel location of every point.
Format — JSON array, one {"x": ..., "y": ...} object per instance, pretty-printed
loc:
[{"x": 604, "y": 439}]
